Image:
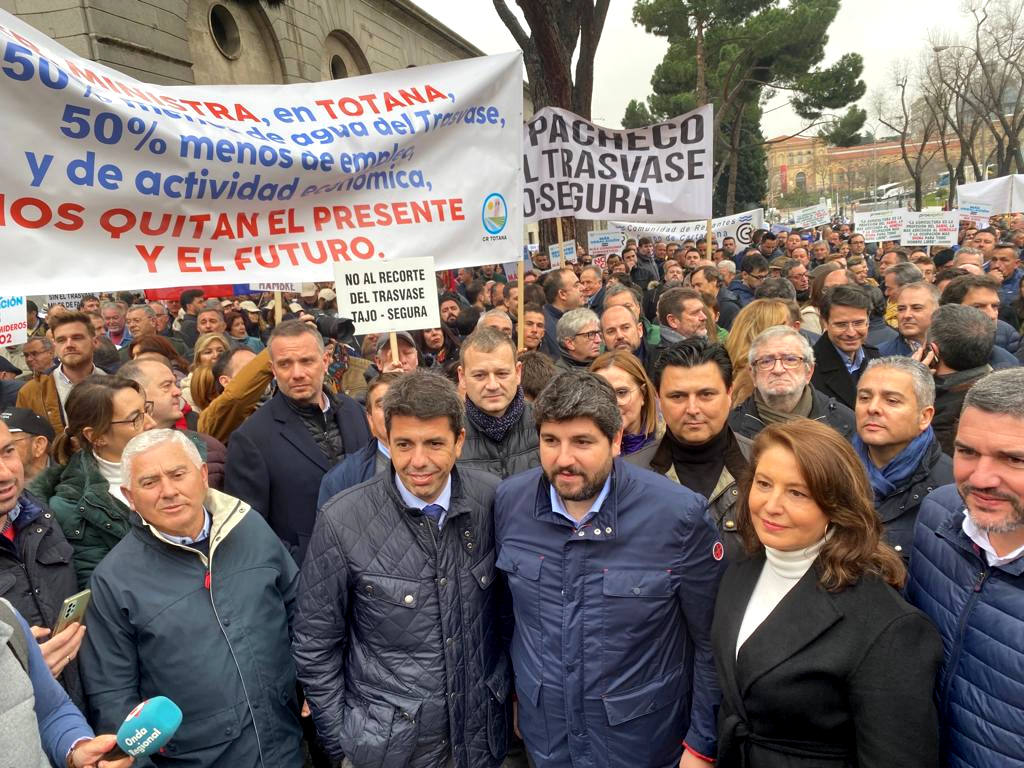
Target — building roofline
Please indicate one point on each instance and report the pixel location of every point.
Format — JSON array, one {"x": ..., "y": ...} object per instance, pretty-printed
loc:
[{"x": 428, "y": 20}]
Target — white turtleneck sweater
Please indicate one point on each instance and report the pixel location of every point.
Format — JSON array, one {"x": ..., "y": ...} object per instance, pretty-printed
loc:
[
  {"x": 111, "y": 472},
  {"x": 782, "y": 570}
]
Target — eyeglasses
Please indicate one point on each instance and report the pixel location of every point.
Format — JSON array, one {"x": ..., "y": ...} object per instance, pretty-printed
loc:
[
  {"x": 789, "y": 362},
  {"x": 138, "y": 418},
  {"x": 624, "y": 394},
  {"x": 858, "y": 325},
  {"x": 590, "y": 335},
  {"x": 761, "y": 276}
]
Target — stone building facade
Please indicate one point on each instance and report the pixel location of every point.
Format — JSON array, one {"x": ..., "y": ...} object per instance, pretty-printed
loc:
[{"x": 186, "y": 42}]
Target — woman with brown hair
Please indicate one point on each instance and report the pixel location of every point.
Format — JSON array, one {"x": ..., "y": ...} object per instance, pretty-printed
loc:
[
  {"x": 154, "y": 344},
  {"x": 209, "y": 346},
  {"x": 637, "y": 401},
  {"x": 84, "y": 488},
  {"x": 820, "y": 661},
  {"x": 759, "y": 315}
]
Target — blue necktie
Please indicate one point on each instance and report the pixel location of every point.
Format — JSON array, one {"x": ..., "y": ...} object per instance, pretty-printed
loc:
[{"x": 434, "y": 512}]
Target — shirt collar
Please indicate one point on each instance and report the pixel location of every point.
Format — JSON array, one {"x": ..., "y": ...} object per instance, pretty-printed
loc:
[
  {"x": 204, "y": 534},
  {"x": 558, "y": 506},
  {"x": 980, "y": 537},
  {"x": 858, "y": 359},
  {"x": 383, "y": 448},
  {"x": 443, "y": 501}
]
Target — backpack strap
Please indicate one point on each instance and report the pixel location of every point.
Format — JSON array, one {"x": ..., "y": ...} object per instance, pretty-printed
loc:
[{"x": 16, "y": 642}]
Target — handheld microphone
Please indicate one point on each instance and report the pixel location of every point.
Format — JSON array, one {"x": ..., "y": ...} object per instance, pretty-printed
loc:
[{"x": 147, "y": 729}]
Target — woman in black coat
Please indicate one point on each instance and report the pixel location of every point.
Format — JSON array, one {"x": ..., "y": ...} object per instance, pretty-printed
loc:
[{"x": 820, "y": 660}]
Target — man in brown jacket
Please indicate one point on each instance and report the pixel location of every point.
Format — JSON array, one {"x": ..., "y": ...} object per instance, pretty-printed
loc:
[{"x": 74, "y": 343}]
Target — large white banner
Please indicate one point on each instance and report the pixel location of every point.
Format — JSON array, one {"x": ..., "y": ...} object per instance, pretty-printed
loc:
[
  {"x": 1004, "y": 194},
  {"x": 573, "y": 167},
  {"x": 109, "y": 181},
  {"x": 876, "y": 226},
  {"x": 740, "y": 226}
]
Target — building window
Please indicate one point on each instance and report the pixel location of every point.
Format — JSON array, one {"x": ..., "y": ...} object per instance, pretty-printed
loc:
[
  {"x": 801, "y": 181},
  {"x": 224, "y": 30},
  {"x": 338, "y": 68}
]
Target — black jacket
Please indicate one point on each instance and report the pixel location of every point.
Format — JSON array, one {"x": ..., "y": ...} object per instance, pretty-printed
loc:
[
  {"x": 398, "y": 636},
  {"x": 744, "y": 418},
  {"x": 275, "y": 465},
  {"x": 828, "y": 680},
  {"x": 518, "y": 452},
  {"x": 898, "y": 512},
  {"x": 37, "y": 574},
  {"x": 830, "y": 375},
  {"x": 728, "y": 307},
  {"x": 950, "y": 391}
]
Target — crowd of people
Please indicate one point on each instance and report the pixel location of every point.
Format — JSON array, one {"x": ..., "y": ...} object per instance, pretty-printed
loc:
[{"x": 757, "y": 507}]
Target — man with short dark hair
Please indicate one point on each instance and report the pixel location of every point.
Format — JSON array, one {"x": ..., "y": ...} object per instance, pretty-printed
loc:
[
  {"x": 1004, "y": 266},
  {"x": 646, "y": 270},
  {"x": 841, "y": 353},
  {"x": 561, "y": 294},
  {"x": 682, "y": 314},
  {"x": 982, "y": 292},
  {"x": 711, "y": 283},
  {"x": 191, "y": 302},
  {"x": 74, "y": 340},
  {"x": 895, "y": 440},
  {"x": 699, "y": 450},
  {"x": 753, "y": 269},
  {"x": 607, "y": 561},
  {"x": 398, "y": 632},
  {"x": 621, "y": 329},
  {"x": 965, "y": 574},
  {"x": 501, "y": 437},
  {"x": 279, "y": 455},
  {"x": 960, "y": 343}
]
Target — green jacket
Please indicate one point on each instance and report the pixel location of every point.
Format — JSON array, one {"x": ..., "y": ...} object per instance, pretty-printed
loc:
[{"x": 93, "y": 521}]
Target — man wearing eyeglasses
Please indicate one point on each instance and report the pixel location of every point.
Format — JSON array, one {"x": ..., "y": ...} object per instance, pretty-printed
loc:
[
  {"x": 841, "y": 352},
  {"x": 753, "y": 271},
  {"x": 782, "y": 362},
  {"x": 579, "y": 339}
]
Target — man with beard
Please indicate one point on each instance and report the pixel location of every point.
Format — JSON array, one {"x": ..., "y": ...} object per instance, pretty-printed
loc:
[
  {"x": 449, "y": 307},
  {"x": 966, "y": 573},
  {"x": 782, "y": 363},
  {"x": 621, "y": 329},
  {"x": 612, "y": 572}
]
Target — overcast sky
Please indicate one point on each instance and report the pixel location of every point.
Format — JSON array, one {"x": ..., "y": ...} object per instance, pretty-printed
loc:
[{"x": 882, "y": 31}]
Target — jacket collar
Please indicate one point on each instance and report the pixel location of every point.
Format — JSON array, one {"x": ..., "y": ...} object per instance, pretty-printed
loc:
[
  {"x": 951, "y": 529},
  {"x": 604, "y": 525},
  {"x": 294, "y": 431},
  {"x": 226, "y": 512},
  {"x": 457, "y": 504}
]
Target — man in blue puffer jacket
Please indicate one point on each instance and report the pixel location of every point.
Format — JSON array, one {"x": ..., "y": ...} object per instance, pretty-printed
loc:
[{"x": 967, "y": 574}]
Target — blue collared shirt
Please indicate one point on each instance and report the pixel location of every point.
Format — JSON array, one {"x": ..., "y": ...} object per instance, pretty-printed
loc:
[
  {"x": 854, "y": 365},
  {"x": 558, "y": 507},
  {"x": 444, "y": 500},
  {"x": 186, "y": 541},
  {"x": 383, "y": 448}
]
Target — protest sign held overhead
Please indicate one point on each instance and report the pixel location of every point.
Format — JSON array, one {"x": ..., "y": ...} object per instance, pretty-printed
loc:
[
  {"x": 393, "y": 295},
  {"x": 572, "y": 167},
  {"x": 562, "y": 254},
  {"x": 811, "y": 216},
  {"x": 107, "y": 179},
  {"x": 13, "y": 323},
  {"x": 270, "y": 287},
  {"x": 604, "y": 243},
  {"x": 740, "y": 226},
  {"x": 877, "y": 226},
  {"x": 930, "y": 228}
]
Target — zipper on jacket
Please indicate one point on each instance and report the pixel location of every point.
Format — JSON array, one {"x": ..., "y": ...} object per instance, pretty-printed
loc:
[{"x": 954, "y": 656}]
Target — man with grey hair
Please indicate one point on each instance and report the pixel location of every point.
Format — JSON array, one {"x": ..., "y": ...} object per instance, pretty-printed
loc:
[
  {"x": 498, "y": 319},
  {"x": 398, "y": 633},
  {"x": 158, "y": 608},
  {"x": 39, "y": 357},
  {"x": 579, "y": 339},
  {"x": 570, "y": 536},
  {"x": 904, "y": 460},
  {"x": 113, "y": 322},
  {"x": 141, "y": 320},
  {"x": 781, "y": 363},
  {"x": 959, "y": 346},
  {"x": 969, "y": 256},
  {"x": 966, "y": 574},
  {"x": 915, "y": 302}
]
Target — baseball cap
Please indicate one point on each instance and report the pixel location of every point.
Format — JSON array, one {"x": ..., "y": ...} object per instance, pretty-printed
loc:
[
  {"x": 27, "y": 421},
  {"x": 384, "y": 339},
  {"x": 6, "y": 366},
  {"x": 327, "y": 294},
  {"x": 248, "y": 306},
  {"x": 308, "y": 290},
  {"x": 295, "y": 307}
]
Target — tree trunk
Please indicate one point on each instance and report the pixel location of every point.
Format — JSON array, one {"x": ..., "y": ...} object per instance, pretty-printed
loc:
[
  {"x": 702, "y": 84},
  {"x": 734, "y": 161}
]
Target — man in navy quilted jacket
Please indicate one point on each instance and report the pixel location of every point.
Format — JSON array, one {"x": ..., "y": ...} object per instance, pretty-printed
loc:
[{"x": 967, "y": 574}]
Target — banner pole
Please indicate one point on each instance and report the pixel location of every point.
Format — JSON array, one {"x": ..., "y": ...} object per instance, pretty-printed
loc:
[
  {"x": 278, "y": 309},
  {"x": 393, "y": 338},
  {"x": 521, "y": 303},
  {"x": 707, "y": 241},
  {"x": 558, "y": 229}
]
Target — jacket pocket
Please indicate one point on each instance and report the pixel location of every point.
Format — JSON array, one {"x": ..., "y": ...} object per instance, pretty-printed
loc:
[
  {"x": 532, "y": 722},
  {"x": 59, "y": 552},
  {"x": 634, "y": 605},
  {"x": 384, "y": 603},
  {"x": 498, "y": 710},
  {"x": 643, "y": 729},
  {"x": 381, "y": 730},
  {"x": 203, "y": 731},
  {"x": 523, "y": 569}
]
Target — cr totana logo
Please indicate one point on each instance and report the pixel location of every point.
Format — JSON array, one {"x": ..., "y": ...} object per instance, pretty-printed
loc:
[{"x": 494, "y": 213}]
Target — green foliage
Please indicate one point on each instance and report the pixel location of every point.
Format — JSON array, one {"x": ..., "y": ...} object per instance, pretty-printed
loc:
[
  {"x": 637, "y": 115},
  {"x": 845, "y": 131},
  {"x": 751, "y": 169}
]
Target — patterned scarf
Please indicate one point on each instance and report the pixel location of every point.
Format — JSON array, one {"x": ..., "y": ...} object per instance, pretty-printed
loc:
[{"x": 497, "y": 428}]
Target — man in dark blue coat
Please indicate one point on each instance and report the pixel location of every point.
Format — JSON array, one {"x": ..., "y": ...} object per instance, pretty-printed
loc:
[
  {"x": 967, "y": 574},
  {"x": 278, "y": 457},
  {"x": 613, "y": 572}
]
